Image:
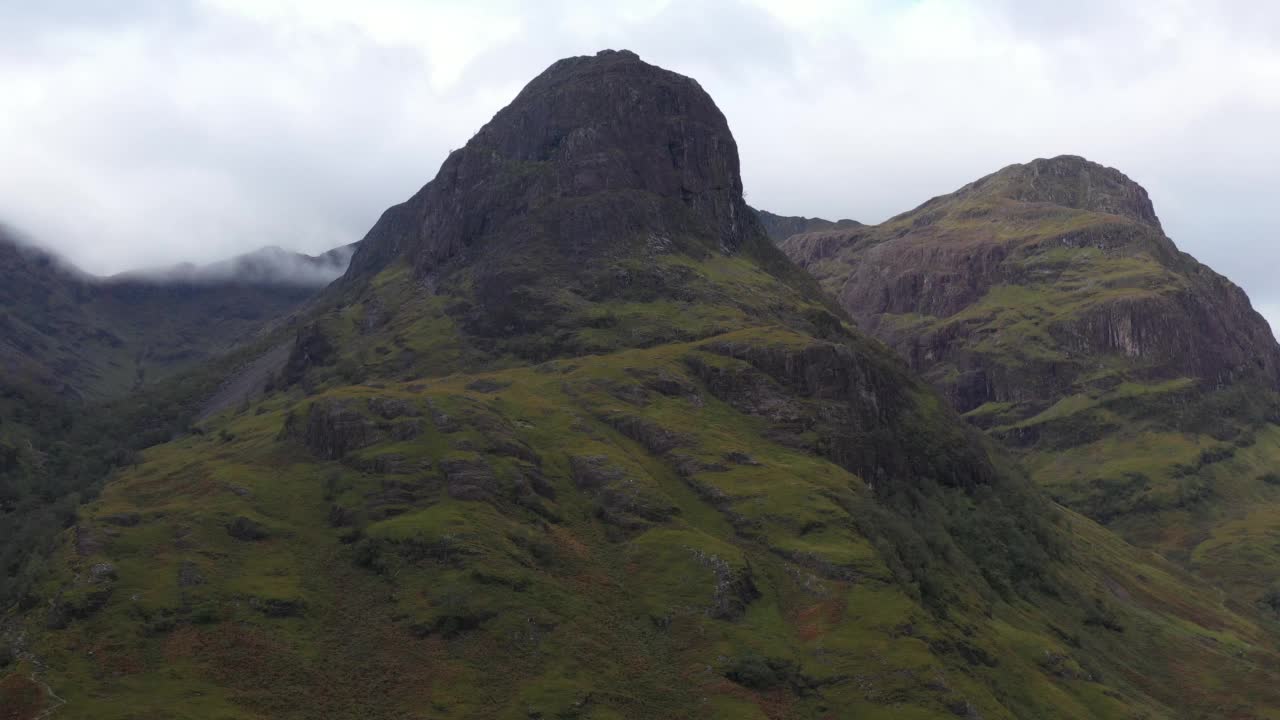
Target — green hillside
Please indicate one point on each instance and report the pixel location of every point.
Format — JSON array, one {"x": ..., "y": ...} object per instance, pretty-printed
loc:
[
  {"x": 1137, "y": 385},
  {"x": 573, "y": 439}
]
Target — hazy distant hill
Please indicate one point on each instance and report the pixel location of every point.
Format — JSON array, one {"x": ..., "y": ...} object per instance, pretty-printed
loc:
[
  {"x": 780, "y": 227},
  {"x": 94, "y": 337}
]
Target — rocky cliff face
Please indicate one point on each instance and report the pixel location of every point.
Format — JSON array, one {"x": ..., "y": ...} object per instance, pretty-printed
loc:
[
  {"x": 1015, "y": 287},
  {"x": 630, "y": 147}
]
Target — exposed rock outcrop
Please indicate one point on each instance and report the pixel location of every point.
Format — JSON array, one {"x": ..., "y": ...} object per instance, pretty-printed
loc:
[
  {"x": 589, "y": 129},
  {"x": 1014, "y": 287},
  {"x": 600, "y": 183},
  {"x": 331, "y": 429}
]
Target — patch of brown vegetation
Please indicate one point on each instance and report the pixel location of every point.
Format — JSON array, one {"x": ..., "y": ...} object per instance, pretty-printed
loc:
[
  {"x": 816, "y": 620},
  {"x": 20, "y": 698}
]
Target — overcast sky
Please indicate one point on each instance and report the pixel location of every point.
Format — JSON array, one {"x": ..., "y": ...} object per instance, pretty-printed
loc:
[{"x": 149, "y": 132}]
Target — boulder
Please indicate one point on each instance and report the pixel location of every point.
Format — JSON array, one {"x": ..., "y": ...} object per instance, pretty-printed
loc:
[{"x": 242, "y": 528}]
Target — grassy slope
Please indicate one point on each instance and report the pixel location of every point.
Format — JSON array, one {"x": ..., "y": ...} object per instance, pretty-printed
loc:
[
  {"x": 625, "y": 600},
  {"x": 86, "y": 378}
]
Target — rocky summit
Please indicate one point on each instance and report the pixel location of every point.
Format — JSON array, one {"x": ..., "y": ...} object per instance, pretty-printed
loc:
[
  {"x": 592, "y": 151},
  {"x": 572, "y": 439},
  {"x": 1011, "y": 289},
  {"x": 601, "y": 209}
]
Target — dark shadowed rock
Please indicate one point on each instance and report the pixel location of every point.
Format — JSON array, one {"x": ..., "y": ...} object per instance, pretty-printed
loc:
[
  {"x": 621, "y": 499},
  {"x": 340, "y": 516},
  {"x": 122, "y": 519},
  {"x": 242, "y": 528},
  {"x": 392, "y": 408},
  {"x": 311, "y": 348},
  {"x": 827, "y": 399},
  {"x": 333, "y": 428},
  {"x": 279, "y": 607},
  {"x": 403, "y": 430},
  {"x": 469, "y": 479},
  {"x": 740, "y": 458},
  {"x": 189, "y": 575},
  {"x": 88, "y": 541},
  {"x": 102, "y": 572},
  {"x": 734, "y": 590},
  {"x": 654, "y": 437},
  {"x": 664, "y": 382},
  {"x": 591, "y": 472}
]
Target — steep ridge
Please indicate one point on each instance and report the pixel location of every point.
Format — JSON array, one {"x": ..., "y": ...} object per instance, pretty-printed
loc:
[
  {"x": 572, "y": 439},
  {"x": 780, "y": 227},
  {"x": 1047, "y": 304}
]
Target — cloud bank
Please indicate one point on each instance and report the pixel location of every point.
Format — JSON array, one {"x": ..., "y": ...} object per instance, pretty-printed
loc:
[
  {"x": 146, "y": 133},
  {"x": 265, "y": 266}
]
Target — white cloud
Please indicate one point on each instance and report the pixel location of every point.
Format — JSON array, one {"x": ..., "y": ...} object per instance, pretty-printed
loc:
[{"x": 150, "y": 132}]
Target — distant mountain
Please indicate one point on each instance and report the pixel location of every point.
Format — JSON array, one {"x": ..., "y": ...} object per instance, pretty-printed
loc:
[
  {"x": 86, "y": 336},
  {"x": 572, "y": 438},
  {"x": 1047, "y": 304},
  {"x": 781, "y": 227},
  {"x": 1014, "y": 287}
]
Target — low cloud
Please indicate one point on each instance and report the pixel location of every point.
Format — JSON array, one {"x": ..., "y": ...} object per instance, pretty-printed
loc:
[{"x": 267, "y": 266}]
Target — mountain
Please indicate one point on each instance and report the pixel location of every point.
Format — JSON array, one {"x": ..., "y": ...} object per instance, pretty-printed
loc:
[
  {"x": 1096, "y": 278},
  {"x": 780, "y": 227},
  {"x": 571, "y": 438},
  {"x": 1047, "y": 304}
]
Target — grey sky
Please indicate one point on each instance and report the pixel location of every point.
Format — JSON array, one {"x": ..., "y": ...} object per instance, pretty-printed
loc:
[{"x": 150, "y": 132}]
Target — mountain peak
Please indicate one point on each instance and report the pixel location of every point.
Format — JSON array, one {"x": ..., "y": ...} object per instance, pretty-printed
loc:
[
  {"x": 635, "y": 149},
  {"x": 1074, "y": 182}
]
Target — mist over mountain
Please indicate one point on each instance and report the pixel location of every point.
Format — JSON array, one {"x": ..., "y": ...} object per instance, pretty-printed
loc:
[
  {"x": 97, "y": 337},
  {"x": 269, "y": 265},
  {"x": 265, "y": 266}
]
